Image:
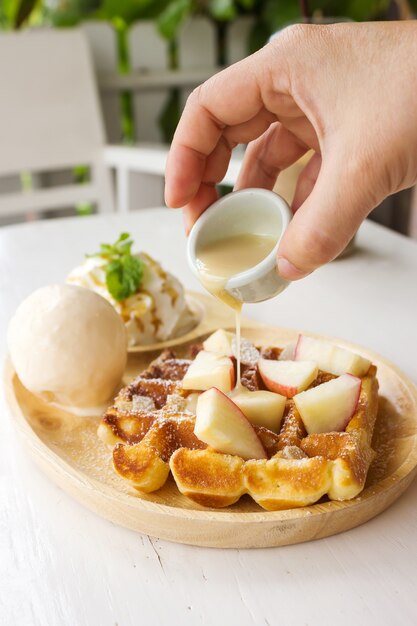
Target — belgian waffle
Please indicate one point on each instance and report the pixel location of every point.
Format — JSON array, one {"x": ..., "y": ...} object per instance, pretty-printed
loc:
[{"x": 151, "y": 425}]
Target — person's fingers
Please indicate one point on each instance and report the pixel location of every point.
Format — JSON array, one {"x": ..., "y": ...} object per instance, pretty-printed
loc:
[
  {"x": 306, "y": 181},
  {"x": 324, "y": 223},
  {"x": 182, "y": 184},
  {"x": 250, "y": 129},
  {"x": 212, "y": 107},
  {"x": 217, "y": 162},
  {"x": 183, "y": 173},
  {"x": 205, "y": 196},
  {"x": 265, "y": 157},
  {"x": 238, "y": 103}
]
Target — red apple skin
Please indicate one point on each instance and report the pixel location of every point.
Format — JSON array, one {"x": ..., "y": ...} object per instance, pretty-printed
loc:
[
  {"x": 275, "y": 386},
  {"x": 343, "y": 424},
  {"x": 237, "y": 410},
  {"x": 288, "y": 392},
  {"x": 232, "y": 377},
  {"x": 296, "y": 349},
  {"x": 357, "y": 398}
]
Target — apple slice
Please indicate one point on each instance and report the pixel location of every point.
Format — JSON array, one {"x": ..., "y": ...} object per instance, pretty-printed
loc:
[
  {"x": 287, "y": 377},
  {"x": 262, "y": 408},
  {"x": 191, "y": 402},
  {"x": 330, "y": 358},
  {"x": 219, "y": 342},
  {"x": 224, "y": 343},
  {"x": 221, "y": 424},
  {"x": 287, "y": 353},
  {"x": 330, "y": 406},
  {"x": 210, "y": 370}
]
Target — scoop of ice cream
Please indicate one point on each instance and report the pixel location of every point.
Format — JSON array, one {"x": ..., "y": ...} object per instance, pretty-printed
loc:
[
  {"x": 68, "y": 345},
  {"x": 156, "y": 312}
]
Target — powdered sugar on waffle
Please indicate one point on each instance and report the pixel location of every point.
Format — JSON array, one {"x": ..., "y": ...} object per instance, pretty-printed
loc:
[{"x": 249, "y": 355}]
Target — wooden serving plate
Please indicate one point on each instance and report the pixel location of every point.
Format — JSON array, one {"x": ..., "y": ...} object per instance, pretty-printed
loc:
[{"x": 67, "y": 449}]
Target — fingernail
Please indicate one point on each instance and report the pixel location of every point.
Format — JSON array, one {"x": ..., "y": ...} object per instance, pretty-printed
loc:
[{"x": 288, "y": 271}]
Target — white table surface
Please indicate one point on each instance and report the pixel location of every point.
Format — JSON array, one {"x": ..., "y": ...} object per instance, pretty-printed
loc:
[{"x": 62, "y": 565}]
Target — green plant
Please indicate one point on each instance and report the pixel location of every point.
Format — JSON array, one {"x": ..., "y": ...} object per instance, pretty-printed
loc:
[
  {"x": 221, "y": 13},
  {"x": 169, "y": 16},
  {"x": 268, "y": 16},
  {"x": 16, "y": 13}
]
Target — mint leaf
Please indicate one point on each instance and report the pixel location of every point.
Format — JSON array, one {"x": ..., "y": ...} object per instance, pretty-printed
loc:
[
  {"x": 105, "y": 248},
  {"x": 123, "y": 277},
  {"x": 124, "y": 272},
  {"x": 124, "y": 247}
]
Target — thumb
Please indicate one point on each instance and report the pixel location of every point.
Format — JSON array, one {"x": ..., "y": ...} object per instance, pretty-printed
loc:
[{"x": 325, "y": 222}]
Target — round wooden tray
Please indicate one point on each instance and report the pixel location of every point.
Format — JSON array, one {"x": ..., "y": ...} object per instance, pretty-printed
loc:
[{"x": 67, "y": 449}]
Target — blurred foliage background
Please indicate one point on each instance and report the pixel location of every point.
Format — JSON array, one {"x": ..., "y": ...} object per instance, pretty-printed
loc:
[
  {"x": 269, "y": 15},
  {"x": 169, "y": 15}
]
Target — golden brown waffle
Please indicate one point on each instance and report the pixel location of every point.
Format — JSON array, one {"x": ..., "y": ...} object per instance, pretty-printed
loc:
[
  {"x": 154, "y": 432},
  {"x": 138, "y": 404},
  {"x": 146, "y": 464},
  {"x": 305, "y": 468}
]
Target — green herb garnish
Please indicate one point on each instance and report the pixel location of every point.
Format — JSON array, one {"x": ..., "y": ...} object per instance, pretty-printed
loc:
[{"x": 124, "y": 272}]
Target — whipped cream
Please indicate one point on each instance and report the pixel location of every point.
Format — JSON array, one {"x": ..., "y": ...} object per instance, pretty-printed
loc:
[{"x": 157, "y": 312}]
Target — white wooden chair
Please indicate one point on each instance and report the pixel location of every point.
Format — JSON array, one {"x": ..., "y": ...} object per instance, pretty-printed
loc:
[
  {"x": 139, "y": 170},
  {"x": 50, "y": 119}
]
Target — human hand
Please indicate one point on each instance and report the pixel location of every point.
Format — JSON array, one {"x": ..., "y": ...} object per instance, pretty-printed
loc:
[{"x": 348, "y": 91}]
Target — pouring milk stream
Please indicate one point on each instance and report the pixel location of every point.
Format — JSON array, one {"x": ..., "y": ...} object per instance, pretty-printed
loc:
[
  {"x": 219, "y": 260},
  {"x": 232, "y": 249}
]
